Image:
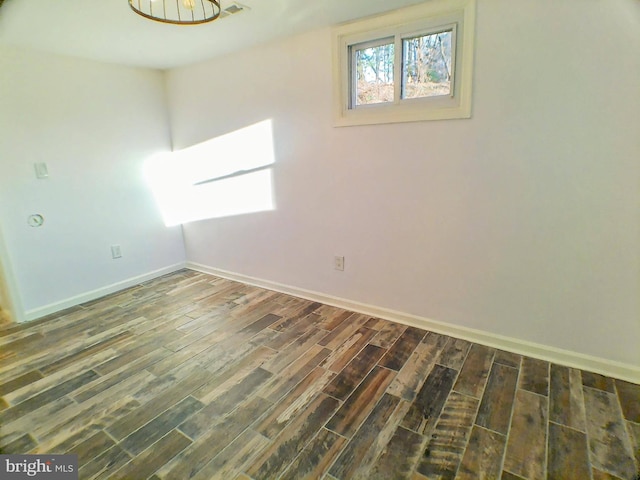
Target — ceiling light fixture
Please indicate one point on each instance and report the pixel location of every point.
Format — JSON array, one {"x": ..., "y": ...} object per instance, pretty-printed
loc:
[{"x": 178, "y": 12}]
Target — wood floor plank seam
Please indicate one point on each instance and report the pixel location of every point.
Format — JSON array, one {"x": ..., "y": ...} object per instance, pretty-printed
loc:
[
  {"x": 428, "y": 438},
  {"x": 481, "y": 395},
  {"x": 617, "y": 388},
  {"x": 507, "y": 435},
  {"x": 566, "y": 426},
  {"x": 472, "y": 426},
  {"x": 333, "y": 431},
  {"x": 335, "y": 459},
  {"x": 548, "y": 422},
  {"x": 87, "y": 460},
  {"x": 513, "y": 475},
  {"x": 309, "y": 442}
]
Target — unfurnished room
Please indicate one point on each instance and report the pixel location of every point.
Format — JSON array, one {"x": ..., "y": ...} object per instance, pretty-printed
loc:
[{"x": 282, "y": 239}]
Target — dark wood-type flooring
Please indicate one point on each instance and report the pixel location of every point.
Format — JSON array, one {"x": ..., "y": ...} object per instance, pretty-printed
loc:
[{"x": 194, "y": 376}]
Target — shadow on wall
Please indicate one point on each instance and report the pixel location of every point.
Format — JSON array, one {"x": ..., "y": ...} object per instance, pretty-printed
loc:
[
  {"x": 5, "y": 306},
  {"x": 10, "y": 307},
  {"x": 5, "y": 316},
  {"x": 224, "y": 176}
]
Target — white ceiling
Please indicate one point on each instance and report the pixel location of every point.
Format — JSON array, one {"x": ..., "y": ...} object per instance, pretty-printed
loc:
[{"x": 108, "y": 30}]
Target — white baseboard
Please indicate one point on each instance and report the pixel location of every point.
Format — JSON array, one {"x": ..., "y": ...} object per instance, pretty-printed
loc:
[
  {"x": 623, "y": 371},
  {"x": 99, "y": 292}
]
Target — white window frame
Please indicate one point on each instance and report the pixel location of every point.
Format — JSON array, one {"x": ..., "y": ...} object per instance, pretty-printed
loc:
[{"x": 424, "y": 19}]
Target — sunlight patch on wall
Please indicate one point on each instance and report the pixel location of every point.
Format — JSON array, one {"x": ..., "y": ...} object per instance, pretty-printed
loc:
[{"x": 224, "y": 176}]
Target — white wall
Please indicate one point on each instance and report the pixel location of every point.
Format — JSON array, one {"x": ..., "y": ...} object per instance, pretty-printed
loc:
[
  {"x": 94, "y": 125},
  {"x": 522, "y": 221}
]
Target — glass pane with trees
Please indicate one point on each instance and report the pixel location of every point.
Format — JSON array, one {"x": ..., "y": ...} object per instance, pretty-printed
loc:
[
  {"x": 427, "y": 65},
  {"x": 373, "y": 67}
]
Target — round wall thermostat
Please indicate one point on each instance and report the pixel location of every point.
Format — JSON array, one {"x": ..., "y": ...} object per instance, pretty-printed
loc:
[{"x": 35, "y": 220}]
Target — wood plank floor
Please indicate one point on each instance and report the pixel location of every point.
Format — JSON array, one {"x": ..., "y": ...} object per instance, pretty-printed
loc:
[{"x": 193, "y": 376}]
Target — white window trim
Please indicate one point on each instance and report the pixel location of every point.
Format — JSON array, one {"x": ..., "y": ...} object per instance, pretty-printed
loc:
[{"x": 405, "y": 23}]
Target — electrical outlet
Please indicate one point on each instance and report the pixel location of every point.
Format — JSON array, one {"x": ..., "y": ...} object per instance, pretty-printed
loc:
[
  {"x": 338, "y": 263},
  {"x": 116, "y": 251}
]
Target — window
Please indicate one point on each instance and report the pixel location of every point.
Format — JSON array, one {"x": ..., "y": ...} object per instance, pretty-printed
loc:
[
  {"x": 427, "y": 66},
  {"x": 408, "y": 65},
  {"x": 372, "y": 67}
]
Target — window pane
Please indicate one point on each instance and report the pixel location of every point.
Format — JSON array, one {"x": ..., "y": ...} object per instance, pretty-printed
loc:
[
  {"x": 427, "y": 69},
  {"x": 374, "y": 74}
]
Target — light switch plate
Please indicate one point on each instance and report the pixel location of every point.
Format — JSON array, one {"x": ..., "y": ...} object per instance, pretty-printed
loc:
[
  {"x": 116, "y": 251},
  {"x": 41, "y": 170}
]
